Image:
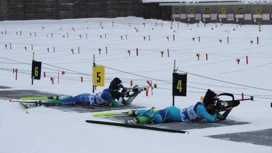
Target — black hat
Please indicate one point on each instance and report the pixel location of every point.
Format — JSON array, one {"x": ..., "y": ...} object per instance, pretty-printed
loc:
[
  {"x": 114, "y": 87},
  {"x": 209, "y": 97},
  {"x": 115, "y": 84}
]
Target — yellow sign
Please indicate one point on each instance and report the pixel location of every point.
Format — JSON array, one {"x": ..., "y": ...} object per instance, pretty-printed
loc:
[
  {"x": 176, "y": 10},
  {"x": 258, "y": 10},
  {"x": 240, "y": 11},
  {"x": 192, "y": 11},
  {"x": 98, "y": 75},
  {"x": 223, "y": 10},
  {"x": 207, "y": 10}
]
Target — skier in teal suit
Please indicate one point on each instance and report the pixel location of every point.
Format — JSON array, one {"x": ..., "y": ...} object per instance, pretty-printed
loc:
[{"x": 208, "y": 109}]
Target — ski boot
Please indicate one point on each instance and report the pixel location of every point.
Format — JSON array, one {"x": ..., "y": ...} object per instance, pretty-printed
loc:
[
  {"x": 132, "y": 113},
  {"x": 54, "y": 97},
  {"x": 133, "y": 121}
]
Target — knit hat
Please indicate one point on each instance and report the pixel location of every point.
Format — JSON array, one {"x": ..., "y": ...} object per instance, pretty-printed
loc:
[
  {"x": 114, "y": 87},
  {"x": 115, "y": 84},
  {"x": 209, "y": 97}
]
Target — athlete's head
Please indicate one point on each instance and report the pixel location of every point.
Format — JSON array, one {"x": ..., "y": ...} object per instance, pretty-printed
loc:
[
  {"x": 210, "y": 98},
  {"x": 114, "y": 87}
]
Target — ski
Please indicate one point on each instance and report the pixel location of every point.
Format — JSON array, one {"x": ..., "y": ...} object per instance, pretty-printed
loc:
[
  {"x": 24, "y": 101},
  {"x": 29, "y": 103},
  {"x": 34, "y": 98},
  {"x": 104, "y": 114},
  {"x": 107, "y": 114},
  {"x": 34, "y": 103},
  {"x": 137, "y": 126}
]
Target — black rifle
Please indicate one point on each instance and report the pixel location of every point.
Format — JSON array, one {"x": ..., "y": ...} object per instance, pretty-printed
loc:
[{"x": 222, "y": 105}]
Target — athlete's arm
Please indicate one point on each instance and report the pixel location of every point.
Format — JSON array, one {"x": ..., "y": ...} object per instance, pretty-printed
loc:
[{"x": 200, "y": 110}]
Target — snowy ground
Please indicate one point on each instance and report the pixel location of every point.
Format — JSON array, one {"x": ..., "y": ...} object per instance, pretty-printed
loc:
[{"x": 47, "y": 130}]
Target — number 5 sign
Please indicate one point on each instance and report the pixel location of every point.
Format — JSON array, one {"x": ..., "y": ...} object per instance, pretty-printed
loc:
[
  {"x": 179, "y": 84},
  {"x": 98, "y": 75}
]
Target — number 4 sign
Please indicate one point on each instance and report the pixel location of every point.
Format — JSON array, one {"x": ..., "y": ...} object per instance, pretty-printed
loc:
[
  {"x": 98, "y": 75},
  {"x": 179, "y": 84}
]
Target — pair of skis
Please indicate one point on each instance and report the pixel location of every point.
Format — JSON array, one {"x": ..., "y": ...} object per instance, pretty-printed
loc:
[
  {"x": 26, "y": 104},
  {"x": 126, "y": 124},
  {"x": 137, "y": 126}
]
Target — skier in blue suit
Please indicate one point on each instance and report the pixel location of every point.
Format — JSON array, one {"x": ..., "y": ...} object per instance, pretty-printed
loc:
[
  {"x": 112, "y": 96},
  {"x": 206, "y": 109}
]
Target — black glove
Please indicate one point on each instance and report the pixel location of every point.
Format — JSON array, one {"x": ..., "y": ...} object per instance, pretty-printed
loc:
[
  {"x": 218, "y": 106},
  {"x": 135, "y": 90},
  {"x": 124, "y": 92}
]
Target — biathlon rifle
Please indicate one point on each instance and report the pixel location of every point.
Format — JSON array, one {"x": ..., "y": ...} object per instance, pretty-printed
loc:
[{"x": 221, "y": 105}]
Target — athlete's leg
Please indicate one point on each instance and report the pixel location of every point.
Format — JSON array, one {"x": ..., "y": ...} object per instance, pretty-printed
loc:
[
  {"x": 82, "y": 99},
  {"x": 62, "y": 97},
  {"x": 145, "y": 116},
  {"x": 170, "y": 114}
]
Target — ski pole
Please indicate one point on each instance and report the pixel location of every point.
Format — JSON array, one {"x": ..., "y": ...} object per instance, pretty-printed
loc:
[{"x": 151, "y": 109}]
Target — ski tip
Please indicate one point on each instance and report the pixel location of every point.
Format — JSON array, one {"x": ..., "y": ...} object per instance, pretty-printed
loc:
[{"x": 104, "y": 114}]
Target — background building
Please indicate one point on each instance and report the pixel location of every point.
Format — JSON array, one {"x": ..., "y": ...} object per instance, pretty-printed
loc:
[
  {"x": 231, "y": 11},
  {"x": 63, "y": 9}
]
